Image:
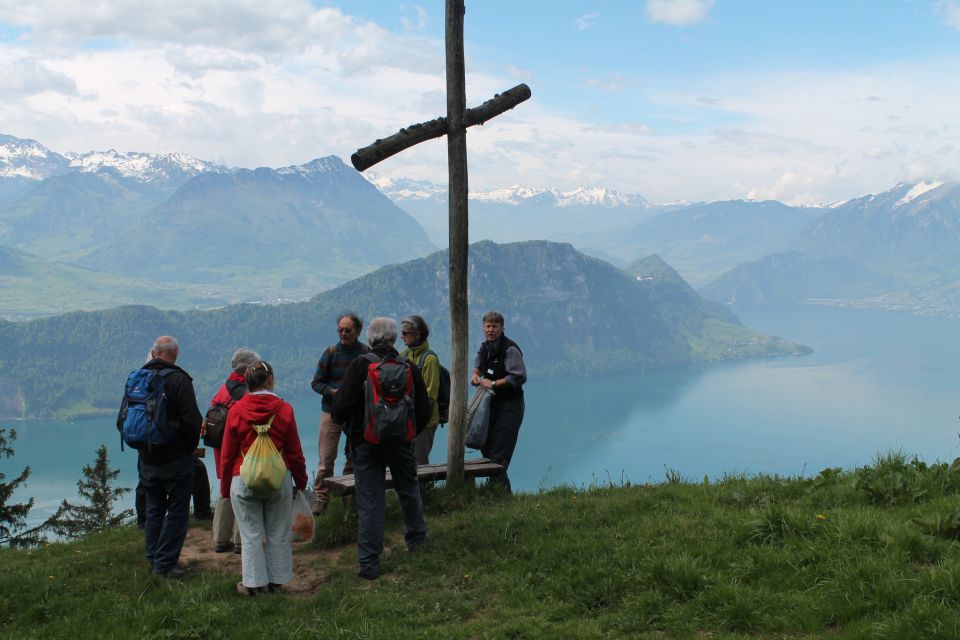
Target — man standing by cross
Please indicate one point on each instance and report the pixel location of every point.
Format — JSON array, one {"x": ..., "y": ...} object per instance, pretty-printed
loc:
[{"x": 454, "y": 126}]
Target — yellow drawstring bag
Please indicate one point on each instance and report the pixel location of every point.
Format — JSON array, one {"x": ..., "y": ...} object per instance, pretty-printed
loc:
[{"x": 263, "y": 468}]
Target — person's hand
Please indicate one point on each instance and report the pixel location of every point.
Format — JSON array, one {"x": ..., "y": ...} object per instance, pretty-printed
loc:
[
  {"x": 475, "y": 379},
  {"x": 486, "y": 382}
]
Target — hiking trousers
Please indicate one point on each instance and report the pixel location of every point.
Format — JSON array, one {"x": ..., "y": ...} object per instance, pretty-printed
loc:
[
  {"x": 224, "y": 523},
  {"x": 506, "y": 416},
  {"x": 167, "y": 488},
  {"x": 266, "y": 537},
  {"x": 329, "y": 443},
  {"x": 370, "y": 462}
]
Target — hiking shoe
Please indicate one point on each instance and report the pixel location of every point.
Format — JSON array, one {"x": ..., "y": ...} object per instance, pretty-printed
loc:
[
  {"x": 417, "y": 547},
  {"x": 173, "y": 574},
  {"x": 223, "y": 547},
  {"x": 319, "y": 507},
  {"x": 369, "y": 573},
  {"x": 273, "y": 587},
  {"x": 248, "y": 591},
  {"x": 237, "y": 549}
]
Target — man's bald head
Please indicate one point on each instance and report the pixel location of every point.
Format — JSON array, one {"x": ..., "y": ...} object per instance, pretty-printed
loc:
[{"x": 166, "y": 348}]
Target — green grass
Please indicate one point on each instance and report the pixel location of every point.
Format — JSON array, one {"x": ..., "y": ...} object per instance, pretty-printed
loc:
[{"x": 869, "y": 553}]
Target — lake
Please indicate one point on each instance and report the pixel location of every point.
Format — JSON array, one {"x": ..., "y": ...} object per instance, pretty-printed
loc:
[{"x": 875, "y": 382}]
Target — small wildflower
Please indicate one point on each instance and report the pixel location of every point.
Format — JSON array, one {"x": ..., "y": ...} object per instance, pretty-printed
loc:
[
  {"x": 49, "y": 577},
  {"x": 821, "y": 516},
  {"x": 466, "y": 576}
]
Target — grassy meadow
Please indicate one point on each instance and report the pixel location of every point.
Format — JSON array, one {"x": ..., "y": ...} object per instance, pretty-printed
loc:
[{"x": 867, "y": 553}]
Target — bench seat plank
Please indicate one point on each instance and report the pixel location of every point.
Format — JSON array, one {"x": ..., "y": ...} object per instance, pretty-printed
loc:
[{"x": 473, "y": 468}]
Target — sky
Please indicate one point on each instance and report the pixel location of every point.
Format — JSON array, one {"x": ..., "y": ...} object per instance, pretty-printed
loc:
[{"x": 802, "y": 101}]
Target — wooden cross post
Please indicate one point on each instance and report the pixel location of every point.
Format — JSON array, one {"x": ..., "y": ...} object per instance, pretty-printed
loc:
[{"x": 454, "y": 126}]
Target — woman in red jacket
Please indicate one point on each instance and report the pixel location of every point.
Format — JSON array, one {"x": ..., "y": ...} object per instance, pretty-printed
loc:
[{"x": 264, "y": 520}]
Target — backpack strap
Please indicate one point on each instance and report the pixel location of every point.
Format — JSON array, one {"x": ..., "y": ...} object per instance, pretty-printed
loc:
[
  {"x": 262, "y": 429},
  {"x": 423, "y": 358}
]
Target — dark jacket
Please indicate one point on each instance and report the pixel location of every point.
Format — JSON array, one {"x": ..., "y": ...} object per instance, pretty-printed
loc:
[
  {"x": 256, "y": 408},
  {"x": 332, "y": 366},
  {"x": 181, "y": 409},
  {"x": 503, "y": 359},
  {"x": 348, "y": 403}
]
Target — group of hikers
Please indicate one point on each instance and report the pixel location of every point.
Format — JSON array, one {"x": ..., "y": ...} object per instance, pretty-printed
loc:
[{"x": 384, "y": 428}]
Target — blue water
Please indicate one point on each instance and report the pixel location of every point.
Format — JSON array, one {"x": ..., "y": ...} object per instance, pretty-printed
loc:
[{"x": 875, "y": 382}]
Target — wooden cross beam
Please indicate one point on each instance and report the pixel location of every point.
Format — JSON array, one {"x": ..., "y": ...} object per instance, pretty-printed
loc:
[
  {"x": 454, "y": 126},
  {"x": 407, "y": 137}
]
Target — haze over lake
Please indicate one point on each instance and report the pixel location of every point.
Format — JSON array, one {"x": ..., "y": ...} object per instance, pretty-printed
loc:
[{"x": 875, "y": 382}]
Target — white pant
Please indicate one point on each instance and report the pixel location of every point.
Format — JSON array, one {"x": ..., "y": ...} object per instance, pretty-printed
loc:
[{"x": 265, "y": 533}]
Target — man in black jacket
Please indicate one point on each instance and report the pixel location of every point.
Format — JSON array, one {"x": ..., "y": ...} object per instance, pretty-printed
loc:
[
  {"x": 166, "y": 470},
  {"x": 371, "y": 460},
  {"x": 499, "y": 366}
]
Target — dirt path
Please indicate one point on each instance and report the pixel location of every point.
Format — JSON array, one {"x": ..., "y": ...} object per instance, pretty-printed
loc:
[{"x": 310, "y": 565}]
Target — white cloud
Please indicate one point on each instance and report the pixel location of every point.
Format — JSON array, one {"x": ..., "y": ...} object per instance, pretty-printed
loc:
[
  {"x": 243, "y": 25},
  {"x": 679, "y": 13},
  {"x": 28, "y": 76},
  {"x": 316, "y": 82},
  {"x": 196, "y": 62},
  {"x": 950, "y": 10},
  {"x": 419, "y": 22},
  {"x": 584, "y": 22}
]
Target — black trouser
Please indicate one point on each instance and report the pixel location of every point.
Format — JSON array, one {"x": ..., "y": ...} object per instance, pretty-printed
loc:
[
  {"x": 505, "y": 419},
  {"x": 200, "y": 491}
]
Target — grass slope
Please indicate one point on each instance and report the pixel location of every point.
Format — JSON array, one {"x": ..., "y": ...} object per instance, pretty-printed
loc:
[{"x": 864, "y": 554}]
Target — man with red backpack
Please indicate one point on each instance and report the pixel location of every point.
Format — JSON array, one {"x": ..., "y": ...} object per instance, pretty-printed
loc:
[{"x": 384, "y": 401}]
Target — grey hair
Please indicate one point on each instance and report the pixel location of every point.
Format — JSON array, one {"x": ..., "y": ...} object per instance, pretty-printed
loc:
[
  {"x": 494, "y": 317},
  {"x": 243, "y": 358},
  {"x": 166, "y": 344},
  {"x": 417, "y": 324},
  {"x": 382, "y": 332}
]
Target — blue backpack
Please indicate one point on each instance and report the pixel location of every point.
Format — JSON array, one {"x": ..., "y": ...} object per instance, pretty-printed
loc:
[{"x": 144, "y": 411}]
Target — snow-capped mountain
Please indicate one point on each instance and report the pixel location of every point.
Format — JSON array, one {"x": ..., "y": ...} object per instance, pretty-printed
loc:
[
  {"x": 28, "y": 159},
  {"x": 398, "y": 189},
  {"x": 403, "y": 189},
  {"x": 142, "y": 167}
]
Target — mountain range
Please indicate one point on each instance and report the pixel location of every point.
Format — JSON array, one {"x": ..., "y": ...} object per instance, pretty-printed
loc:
[
  {"x": 171, "y": 220},
  {"x": 899, "y": 249},
  {"x": 287, "y": 233},
  {"x": 572, "y": 314}
]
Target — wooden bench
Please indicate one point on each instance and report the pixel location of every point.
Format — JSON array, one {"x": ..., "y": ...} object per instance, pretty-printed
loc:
[{"x": 474, "y": 468}]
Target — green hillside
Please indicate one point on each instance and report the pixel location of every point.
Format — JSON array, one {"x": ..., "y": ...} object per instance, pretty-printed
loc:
[
  {"x": 572, "y": 315},
  {"x": 34, "y": 286},
  {"x": 863, "y": 554}
]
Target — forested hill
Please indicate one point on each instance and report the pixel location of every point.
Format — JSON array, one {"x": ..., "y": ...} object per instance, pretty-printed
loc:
[{"x": 571, "y": 314}]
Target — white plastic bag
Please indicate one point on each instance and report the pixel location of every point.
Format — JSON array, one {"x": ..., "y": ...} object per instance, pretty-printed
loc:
[
  {"x": 303, "y": 523},
  {"x": 478, "y": 419}
]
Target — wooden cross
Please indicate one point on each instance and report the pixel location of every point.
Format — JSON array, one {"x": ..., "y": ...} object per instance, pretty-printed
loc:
[{"x": 454, "y": 126}]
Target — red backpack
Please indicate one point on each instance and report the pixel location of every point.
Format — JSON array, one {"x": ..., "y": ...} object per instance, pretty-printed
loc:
[{"x": 388, "y": 409}]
